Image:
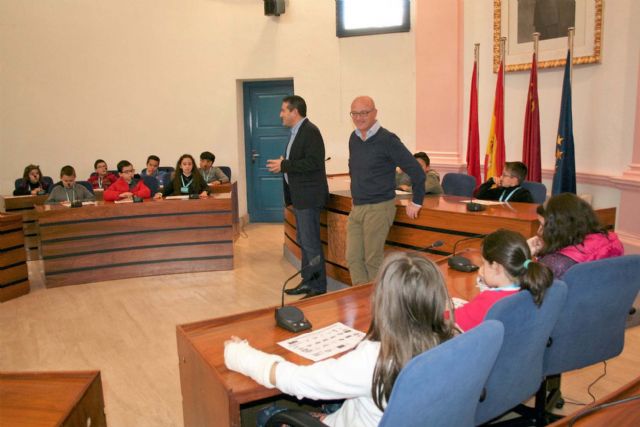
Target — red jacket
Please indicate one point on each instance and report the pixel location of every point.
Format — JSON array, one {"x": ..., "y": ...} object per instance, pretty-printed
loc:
[
  {"x": 106, "y": 181},
  {"x": 120, "y": 186}
]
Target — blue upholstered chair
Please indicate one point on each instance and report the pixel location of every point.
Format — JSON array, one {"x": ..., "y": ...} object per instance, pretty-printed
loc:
[
  {"x": 591, "y": 326},
  {"x": 167, "y": 169},
  {"x": 87, "y": 185},
  {"x": 517, "y": 374},
  {"x": 226, "y": 170},
  {"x": 458, "y": 184},
  {"x": 439, "y": 387},
  {"x": 151, "y": 182},
  {"x": 538, "y": 191}
]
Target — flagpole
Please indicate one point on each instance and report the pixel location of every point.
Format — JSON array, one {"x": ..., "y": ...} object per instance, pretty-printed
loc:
[
  {"x": 570, "y": 41},
  {"x": 476, "y": 58},
  {"x": 503, "y": 42},
  {"x": 536, "y": 39}
]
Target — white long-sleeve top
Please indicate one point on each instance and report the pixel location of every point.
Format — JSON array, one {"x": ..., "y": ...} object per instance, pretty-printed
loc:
[{"x": 348, "y": 377}]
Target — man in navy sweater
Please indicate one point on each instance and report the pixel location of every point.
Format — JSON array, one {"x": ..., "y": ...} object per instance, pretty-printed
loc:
[{"x": 374, "y": 154}]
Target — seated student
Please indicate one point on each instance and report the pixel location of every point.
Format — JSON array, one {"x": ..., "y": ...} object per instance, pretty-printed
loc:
[
  {"x": 126, "y": 187},
  {"x": 153, "y": 162},
  {"x": 570, "y": 233},
  {"x": 506, "y": 268},
  {"x": 431, "y": 184},
  {"x": 186, "y": 180},
  {"x": 101, "y": 178},
  {"x": 67, "y": 191},
  {"x": 408, "y": 305},
  {"x": 210, "y": 173},
  {"x": 32, "y": 183},
  {"x": 507, "y": 187}
]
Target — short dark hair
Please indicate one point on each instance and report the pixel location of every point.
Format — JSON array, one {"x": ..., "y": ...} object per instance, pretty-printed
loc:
[
  {"x": 153, "y": 157},
  {"x": 67, "y": 171},
  {"x": 123, "y": 164},
  {"x": 422, "y": 155},
  {"x": 296, "y": 103},
  {"x": 208, "y": 155},
  {"x": 96, "y": 163},
  {"x": 518, "y": 169}
]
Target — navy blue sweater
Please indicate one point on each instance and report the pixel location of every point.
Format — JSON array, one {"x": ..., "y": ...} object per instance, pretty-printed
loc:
[{"x": 372, "y": 166}]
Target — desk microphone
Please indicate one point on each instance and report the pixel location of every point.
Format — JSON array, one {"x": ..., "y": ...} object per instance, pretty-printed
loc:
[
  {"x": 475, "y": 207},
  {"x": 292, "y": 318},
  {"x": 435, "y": 244},
  {"x": 460, "y": 263}
]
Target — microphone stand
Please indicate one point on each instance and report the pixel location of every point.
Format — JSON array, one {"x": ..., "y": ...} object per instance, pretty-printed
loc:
[
  {"x": 292, "y": 318},
  {"x": 460, "y": 263}
]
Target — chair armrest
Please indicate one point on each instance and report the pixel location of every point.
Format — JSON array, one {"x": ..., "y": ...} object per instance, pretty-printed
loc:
[{"x": 294, "y": 418}]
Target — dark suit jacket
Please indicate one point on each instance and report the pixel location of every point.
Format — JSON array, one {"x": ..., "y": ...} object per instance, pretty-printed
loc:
[{"x": 307, "y": 186}]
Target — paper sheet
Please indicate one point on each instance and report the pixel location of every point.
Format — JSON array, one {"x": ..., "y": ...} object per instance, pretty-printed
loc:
[{"x": 324, "y": 343}]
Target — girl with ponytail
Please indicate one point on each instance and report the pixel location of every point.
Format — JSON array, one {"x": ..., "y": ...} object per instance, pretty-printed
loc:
[{"x": 506, "y": 268}]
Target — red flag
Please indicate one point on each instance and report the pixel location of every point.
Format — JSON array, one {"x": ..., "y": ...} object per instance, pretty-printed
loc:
[
  {"x": 473, "y": 141},
  {"x": 494, "y": 159},
  {"x": 531, "y": 139}
]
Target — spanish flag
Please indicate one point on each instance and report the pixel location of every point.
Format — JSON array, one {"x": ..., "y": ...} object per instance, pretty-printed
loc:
[{"x": 494, "y": 159}]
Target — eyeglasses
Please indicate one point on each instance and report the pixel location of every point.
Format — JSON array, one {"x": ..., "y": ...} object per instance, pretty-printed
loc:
[
  {"x": 360, "y": 113},
  {"x": 504, "y": 175},
  {"x": 128, "y": 171}
]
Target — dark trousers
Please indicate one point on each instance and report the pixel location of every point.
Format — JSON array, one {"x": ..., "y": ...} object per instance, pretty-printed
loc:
[{"x": 308, "y": 237}]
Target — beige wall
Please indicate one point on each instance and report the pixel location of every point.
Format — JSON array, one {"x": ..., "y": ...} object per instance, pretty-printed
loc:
[{"x": 125, "y": 78}]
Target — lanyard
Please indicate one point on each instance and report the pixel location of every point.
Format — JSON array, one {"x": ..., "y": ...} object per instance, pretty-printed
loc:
[
  {"x": 513, "y": 287},
  {"x": 509, "y": 196},
  {"x": 187, "y": 184},
  {"x": 99, "y": 182},
  {"x": 73, "y": 193},
  {"x": 206, "y": 175}
]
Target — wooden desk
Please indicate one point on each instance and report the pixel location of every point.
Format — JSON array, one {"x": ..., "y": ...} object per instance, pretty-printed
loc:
[
  {"x": 110, "y": 241},
  {"x": 51, "y": 399},
  {"x": 442, "y": 218},
  {"x": 14, "y": 276},
  {"x": 212, "y": 395},
  {"x": 622, "y": 415},
  {"x": 25, "y": 206}
]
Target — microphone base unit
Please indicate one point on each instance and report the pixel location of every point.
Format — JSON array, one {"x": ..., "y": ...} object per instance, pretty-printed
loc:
[
  {"x": 460, "y": 263},
  {"x": 292, "y": 319},
  {"x": 475, "y": 207}
]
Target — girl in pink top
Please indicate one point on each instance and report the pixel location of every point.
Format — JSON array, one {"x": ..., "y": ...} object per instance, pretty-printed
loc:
[{"x": 506, "y": 268}]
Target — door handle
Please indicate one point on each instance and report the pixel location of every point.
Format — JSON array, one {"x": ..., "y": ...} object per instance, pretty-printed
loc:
[{"x": 254, "y": 156}]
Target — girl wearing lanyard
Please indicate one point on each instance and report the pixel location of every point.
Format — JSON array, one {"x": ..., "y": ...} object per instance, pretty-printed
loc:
[
  {"x": 506, "y": 268},
  {"x": 187, "y": 180}
]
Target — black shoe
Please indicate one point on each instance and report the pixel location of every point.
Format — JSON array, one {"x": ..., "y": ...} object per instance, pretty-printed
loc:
[
  {"x": 314, "y": 293},
  {"x": 302, "y": 288}
]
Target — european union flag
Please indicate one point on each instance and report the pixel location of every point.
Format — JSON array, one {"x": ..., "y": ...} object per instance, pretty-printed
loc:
[{"x": 564, "y": 177}]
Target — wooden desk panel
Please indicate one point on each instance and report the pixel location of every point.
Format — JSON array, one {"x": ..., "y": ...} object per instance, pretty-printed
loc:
[
  {"x": 25, "y": 206},
  {"x": 118, "y": 240},
  {"x": 14, "y": 276},
  {"x": 212, "y": 395},
  {"x": 49, "y": 399}
]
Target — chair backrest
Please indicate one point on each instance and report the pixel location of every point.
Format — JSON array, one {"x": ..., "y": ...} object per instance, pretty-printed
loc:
[
  {"x": 517, "y": 374},
  {"x": 87, "y": 185},
  {"x": 537, "y": 189},
  {"x": 167, "y": 169},
  {"x": 442, "y": 386},
  {"x": 458, "y": 184},
  {"x": 591, "y": 327},
  {"x": 19, "y": 182},
  {"x": 226, "y": 170},
  {"x": 151, "y": 182}
]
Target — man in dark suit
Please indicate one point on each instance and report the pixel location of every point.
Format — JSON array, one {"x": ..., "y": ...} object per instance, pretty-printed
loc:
[{"x": 305, "y": 187}]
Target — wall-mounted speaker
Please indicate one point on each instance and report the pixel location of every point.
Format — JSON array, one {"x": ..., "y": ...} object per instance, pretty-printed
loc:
[{"x": 273, "y": 7}]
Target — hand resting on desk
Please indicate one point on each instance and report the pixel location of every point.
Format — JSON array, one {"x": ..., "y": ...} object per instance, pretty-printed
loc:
[{"x": 239, "y": 356}]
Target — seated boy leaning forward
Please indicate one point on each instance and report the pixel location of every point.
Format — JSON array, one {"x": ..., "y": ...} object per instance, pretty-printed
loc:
[
  {"x": 68, "y": 191},
  {"x": 101, "y": 178},
  {"x": 507, "y": 188},
  {"x": 153, "y": 163},
  {"x": 431, "y": 184},
  {"x": 210, "y": 173},
  {"x": 126, "y": 187}
]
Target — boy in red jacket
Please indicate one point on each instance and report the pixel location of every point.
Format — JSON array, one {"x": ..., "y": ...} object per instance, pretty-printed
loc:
[{"x": 126, "y": 187}]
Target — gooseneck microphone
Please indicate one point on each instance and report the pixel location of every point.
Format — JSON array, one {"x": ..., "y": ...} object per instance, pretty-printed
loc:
[
  {"x": 435, "y": 244},
  {"x": 460, "y": 263},
  {"x": 292, "y": 318}
]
